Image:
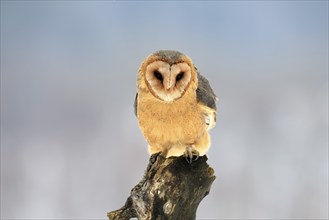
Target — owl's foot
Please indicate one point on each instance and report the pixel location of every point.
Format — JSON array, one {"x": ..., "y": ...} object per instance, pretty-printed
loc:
[{"x": 191, "y": 154}]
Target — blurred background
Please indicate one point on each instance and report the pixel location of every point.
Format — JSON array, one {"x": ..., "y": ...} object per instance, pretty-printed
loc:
[{"x": 71, "y": 147}]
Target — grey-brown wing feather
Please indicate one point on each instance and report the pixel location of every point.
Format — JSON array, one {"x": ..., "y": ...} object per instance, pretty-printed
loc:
[
  {"x": 204, "y": 92},
  {"x": 135, "y": 104},
  {"x": 207, "y": 97}
]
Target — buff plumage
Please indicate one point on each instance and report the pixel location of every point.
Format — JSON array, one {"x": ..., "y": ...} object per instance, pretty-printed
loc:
[{"x": 175, "y": 105}]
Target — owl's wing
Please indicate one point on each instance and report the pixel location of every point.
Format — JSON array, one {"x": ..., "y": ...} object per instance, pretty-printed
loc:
[
  {"x": 207, "y": 98},
  {"x": 204, "y": 93},
  {"x": 135, "y": 105}
]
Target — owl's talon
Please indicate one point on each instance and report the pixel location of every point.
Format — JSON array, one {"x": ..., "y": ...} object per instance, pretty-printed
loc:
[
  {"x": 189, "y": 159},
  {"x": 191, "y": 154}
]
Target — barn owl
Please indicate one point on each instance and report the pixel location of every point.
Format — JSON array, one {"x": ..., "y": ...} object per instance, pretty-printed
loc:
[{"x": 175, "y": 105}]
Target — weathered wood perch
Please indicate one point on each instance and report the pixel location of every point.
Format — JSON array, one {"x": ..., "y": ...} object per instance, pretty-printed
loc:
[{"x": 170, "y": 189}]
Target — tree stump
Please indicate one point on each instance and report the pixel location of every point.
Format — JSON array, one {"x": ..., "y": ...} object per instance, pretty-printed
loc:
[{"x": 171, "y": 189}]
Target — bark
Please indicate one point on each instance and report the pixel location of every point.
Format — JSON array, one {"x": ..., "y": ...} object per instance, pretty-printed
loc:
[{"x": 171, "y": 189}]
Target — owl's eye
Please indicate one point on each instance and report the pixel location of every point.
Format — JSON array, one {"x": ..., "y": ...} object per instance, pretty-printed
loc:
[
  {"x": 179, "y": 76},
  {"x": 158, "y": 75}
]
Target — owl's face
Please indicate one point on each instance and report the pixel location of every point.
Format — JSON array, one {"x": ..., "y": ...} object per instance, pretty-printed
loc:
[{"x": 168, "y": 76}]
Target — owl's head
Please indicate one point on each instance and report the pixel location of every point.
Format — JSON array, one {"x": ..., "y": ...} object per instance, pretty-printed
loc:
[{"x": 168, "y": 74}]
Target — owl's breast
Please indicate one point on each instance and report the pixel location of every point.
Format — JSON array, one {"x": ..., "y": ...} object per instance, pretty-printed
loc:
[{"x": 178, "y": 122}]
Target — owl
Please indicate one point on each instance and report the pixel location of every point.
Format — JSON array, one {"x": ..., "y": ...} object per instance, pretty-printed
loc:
[{"x": 175, "y": 105}]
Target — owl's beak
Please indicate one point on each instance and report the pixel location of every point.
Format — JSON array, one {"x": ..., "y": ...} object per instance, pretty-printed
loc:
[
  {"x": 170, "y": 83},
  {"x": 168, "y": 86}
]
